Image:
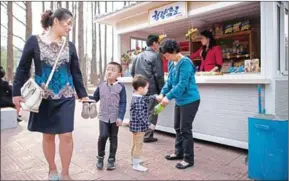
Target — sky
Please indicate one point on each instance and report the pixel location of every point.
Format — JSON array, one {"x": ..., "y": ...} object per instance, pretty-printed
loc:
[{"x": 19, "y": 29}]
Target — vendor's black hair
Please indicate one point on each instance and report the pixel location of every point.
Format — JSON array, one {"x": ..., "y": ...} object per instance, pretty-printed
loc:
[
  {"x": 209, "y": 34},
  {"x": 139, "y": 81},
  {"x": 170, "y": 46},
  {"x": 2, "y": 72},
  {"x": 151, "y": 39}
]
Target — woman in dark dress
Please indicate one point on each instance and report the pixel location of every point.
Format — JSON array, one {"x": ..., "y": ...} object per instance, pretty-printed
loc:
[{"x": 56, "y": 112}]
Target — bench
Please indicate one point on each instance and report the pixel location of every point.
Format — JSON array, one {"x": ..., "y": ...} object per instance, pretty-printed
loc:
[{"x": 8, "y": 118}]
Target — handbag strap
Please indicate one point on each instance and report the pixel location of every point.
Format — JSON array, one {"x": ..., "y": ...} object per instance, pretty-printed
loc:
[{"x": 55, "y": 64}]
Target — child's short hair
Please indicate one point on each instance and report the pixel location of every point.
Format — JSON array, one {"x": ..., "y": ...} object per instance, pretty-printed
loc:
[
  {"x": 116, "y": 64},
  {"x": 139, "y": 81}
]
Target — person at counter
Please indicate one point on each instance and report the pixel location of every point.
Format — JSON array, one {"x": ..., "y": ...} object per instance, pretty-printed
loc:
[
  {"x": 149, "y": 64},
  {"x": 210, "y": 53},
  {"x": 181, "y": 86}
]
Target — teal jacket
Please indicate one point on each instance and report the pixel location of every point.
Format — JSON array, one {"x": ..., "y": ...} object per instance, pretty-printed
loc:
[{"x": 181, "y": 84}]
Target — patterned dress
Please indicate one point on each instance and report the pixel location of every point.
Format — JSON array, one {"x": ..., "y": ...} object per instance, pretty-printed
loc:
[{"x": 56, "y": 112}]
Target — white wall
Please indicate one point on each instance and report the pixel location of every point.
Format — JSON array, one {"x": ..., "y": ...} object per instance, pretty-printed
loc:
[{"x": 125, "y": 40}]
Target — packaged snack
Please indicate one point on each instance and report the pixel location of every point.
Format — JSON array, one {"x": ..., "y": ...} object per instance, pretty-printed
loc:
[
  {"x": 247, "y": 65},
  {"x": 228, "y": 29},
  {"x": 158, "y": 109},
  {"x": 237, "y": 27},
  {"x": 218, "y": 29},
  {"x": 255, "y": 65},
  {"x": 245, "y": 25}
]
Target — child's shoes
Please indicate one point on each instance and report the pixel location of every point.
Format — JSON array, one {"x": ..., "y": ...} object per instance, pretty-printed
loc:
[
  {"x": 92, "y": 110},
  {"x": 137, "y": 166},
  {"x": 99, "y": 163},
  {"x": 89, "y": 110},
  {"x": 85, "y": 110}
]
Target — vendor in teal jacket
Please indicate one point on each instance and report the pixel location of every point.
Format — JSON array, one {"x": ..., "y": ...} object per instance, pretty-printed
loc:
[{"x": 181, "y": 86}]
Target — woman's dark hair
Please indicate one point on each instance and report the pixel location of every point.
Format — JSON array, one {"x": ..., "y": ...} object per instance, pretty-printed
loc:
[
  {"x": 151, "y": 39},
  {"x": 2, "y": 72},
  {"x": 208, "y": 34},
  {"x": 139, "y": 81},
  {"x": 170, "y": 46},
  {"x": 48, "y": 16}
]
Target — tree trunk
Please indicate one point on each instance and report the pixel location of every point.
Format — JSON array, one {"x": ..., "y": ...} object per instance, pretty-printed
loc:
[
  {"x": 81, "y": 42},
  {"x": 112, "y": 35},
  {"x": 93, "y": 75},
  {"x": 43, "y": 6},
  {"x": 10, "y": 57},
  {"x": 74, "y": 24},
  {"x": 28, "y": 19},
  {"x": 99, "y": 46},
  {"x": 105, "y": 41}
]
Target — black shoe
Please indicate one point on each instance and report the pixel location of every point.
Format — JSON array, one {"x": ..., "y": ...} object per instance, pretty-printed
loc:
[
  {"x": 181, "y": 166},
  {"x": 176, "y": 157},
  {"x": 150, "y": 140},
  {"x": 19, "y": 119},
  {"x": 99, "y": 163},
  {"x": 110, "y": 164}
]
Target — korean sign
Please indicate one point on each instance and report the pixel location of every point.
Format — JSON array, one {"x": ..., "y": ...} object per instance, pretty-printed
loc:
[{"x": 169, "y": 12}]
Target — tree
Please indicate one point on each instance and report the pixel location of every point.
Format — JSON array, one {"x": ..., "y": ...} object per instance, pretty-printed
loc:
[
  {"x": 10, "y": 56},
  {"x": 43, "y": 6},
  {"x": 93, "y": 74},
  {"x": 28, "y": 19},
  {"x": 112, "y": 35},
  {"x": 105, "y": 40},
  {"x": 81, "y": 42},
  {"x": 74, "y": 6},
  {"x": 99, "y": 46}
]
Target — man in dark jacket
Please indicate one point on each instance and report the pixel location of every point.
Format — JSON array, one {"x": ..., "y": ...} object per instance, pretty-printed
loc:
[{"x": 149, "y": 64}]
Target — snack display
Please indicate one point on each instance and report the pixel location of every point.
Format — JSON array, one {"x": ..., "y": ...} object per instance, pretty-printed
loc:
[
  {"x": 219, "y": 29},
  {"x": 237, "y": 27},
  {"x": 245, "y": 25},
  {"x": 228, "y": 29}
]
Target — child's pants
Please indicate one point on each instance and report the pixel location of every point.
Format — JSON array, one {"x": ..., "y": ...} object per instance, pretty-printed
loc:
[
  {"x": 137, "y": 143},
  {"x": 107, "y": 130}
]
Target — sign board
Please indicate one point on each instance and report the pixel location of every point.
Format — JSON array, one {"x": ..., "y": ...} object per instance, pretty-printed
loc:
[{"x": 170, "y": 12}]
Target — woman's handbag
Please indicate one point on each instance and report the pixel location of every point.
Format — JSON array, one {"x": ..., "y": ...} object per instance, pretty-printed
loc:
[{"x": 32, "y": 93}]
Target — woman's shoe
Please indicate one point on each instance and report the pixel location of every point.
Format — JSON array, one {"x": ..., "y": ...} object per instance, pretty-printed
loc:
[
  {"x": 173, "y": 157},
  {"x": 53, "y": 176},
  {"x": 184, "y": 165}
]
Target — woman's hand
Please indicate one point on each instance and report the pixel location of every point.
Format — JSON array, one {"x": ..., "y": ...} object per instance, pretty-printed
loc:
[
  {"x": 165, "y": 101},
  {"x": 16, "y": 101},
  {"x": 86, "y": 99}
]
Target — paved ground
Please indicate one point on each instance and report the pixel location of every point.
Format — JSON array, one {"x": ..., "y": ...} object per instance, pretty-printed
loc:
[{"x": 22, "y": 157}]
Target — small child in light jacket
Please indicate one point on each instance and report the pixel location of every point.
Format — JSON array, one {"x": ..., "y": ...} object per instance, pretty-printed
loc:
[{"x": 139, "y": 122}]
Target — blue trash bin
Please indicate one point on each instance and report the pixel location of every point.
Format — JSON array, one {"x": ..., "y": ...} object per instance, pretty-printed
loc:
[{"x": 267, "y": 148}]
